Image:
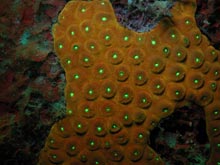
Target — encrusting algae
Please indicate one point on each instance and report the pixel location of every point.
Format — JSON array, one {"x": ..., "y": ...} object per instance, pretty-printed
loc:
[{"x": 121, "y": 83}]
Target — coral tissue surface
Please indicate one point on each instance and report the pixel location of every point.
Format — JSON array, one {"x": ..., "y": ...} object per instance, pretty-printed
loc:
[{"x": 121, "y": 83}]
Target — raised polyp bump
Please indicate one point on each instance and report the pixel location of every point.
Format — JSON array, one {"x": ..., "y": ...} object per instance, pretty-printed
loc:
[
  {"x": 108, "y": 89},
  {"x": 121, "y": 138},
  {"x": 175, "y": 91},
  {"x": 54, "y": 141},
  {"x": 195, "y": 80},
  {"x": 176, "y": 72},
  {"x": 84, "y": 156},
  {"x": 107, "y": 37},
  {"x": 86, "y": 109},
  {"x": 56, "y": 157},
  {"x": 157, "y": 64},
  {"x": 143, "y": 100},
  {"x": 92, "y": 46},
  {"x": 107, "y": 108},
  {"x": 195, "y": 36},
  {"x": 139, "y": 136},
  {"x": 114, "y": 126},
  {"x": 136, "y": 56},
  {"x": 76, "y": 47},
  {"x": 139, "y": 117},
  {"x": 80, "y": 126},
  {"x": 62, "y": 128},
  {"x": 96, "y": 157},
  {"x": 173, "y": 35},
  {"x": 115, "y": 56},
  {"x": 92, "y": 143},
  {"x": 211, "y": 54},
  {"x": 214, "y": 72},
  {"x": 127, "y": 117},
  {"x": 103, "y": 19},
  {"x": 185, "y": 41},
  {"x": 213, "y": 111},
  {"x": 101, "y": 71},
  {"x": 135, "y": 152},
  {"x": 140, "y": 77},
  {"x": 76, "y": 76},
  {"x": 99, "y": 127},
  {"x": 212, "y": 85},
  {"x": 60, "y": 45},
  {"x": 166, "y": 51},
  {"x": 86, "y": 59},
  {"x": 72, "y": 92},
  {"x": 73, "y": 32},
  {"x": 179, "y": 54},
  {"x": 205, "y": 97},
  {"x": 122, "y": 73},
  {"x": 72, "y": 147},
  {"x": 91, "y": 91},
  {"x": 84, "y": 11},
  {"x": 86, "y": 28},
  {"x": 125, "y": 38},
  {"x": 195, "y": 58},
  {"x": 157, "y": 85},
  {"x": 126, "y": 95},
  {"x": 186, "y": 23},
  {"x": 115, "y": 154}
]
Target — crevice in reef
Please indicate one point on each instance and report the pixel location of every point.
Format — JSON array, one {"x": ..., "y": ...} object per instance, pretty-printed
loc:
[
  {"x": 139, "y": 15},
  {"x": 181, "y": 138}
]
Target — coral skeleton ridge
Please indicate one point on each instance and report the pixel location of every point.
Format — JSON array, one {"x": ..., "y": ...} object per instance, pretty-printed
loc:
[{"x": 121, "y": 83}]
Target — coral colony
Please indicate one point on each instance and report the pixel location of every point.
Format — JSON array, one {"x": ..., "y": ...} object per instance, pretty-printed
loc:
[{"x": 121, "y": 83}]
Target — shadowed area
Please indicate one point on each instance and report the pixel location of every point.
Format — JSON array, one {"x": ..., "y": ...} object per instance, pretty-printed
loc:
[{"x": 181, "y": 138}]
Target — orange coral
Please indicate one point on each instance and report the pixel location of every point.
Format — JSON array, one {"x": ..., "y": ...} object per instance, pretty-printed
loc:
[{"x": 121, "y": 83}]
